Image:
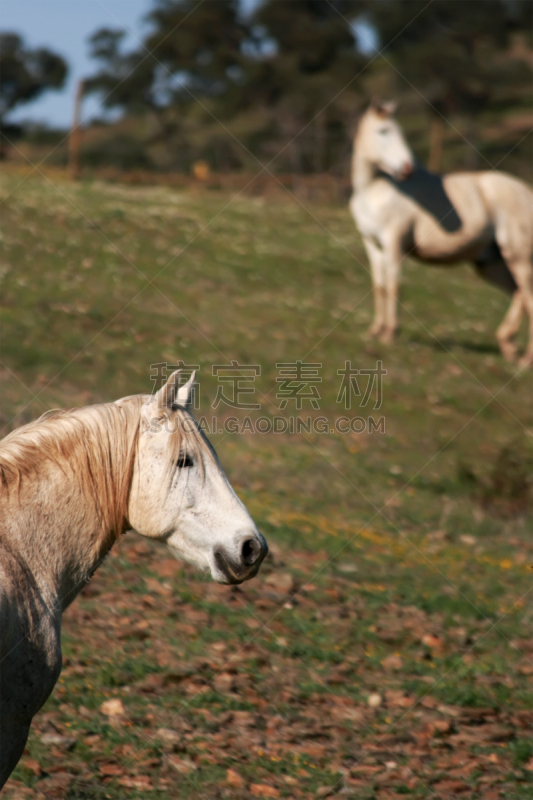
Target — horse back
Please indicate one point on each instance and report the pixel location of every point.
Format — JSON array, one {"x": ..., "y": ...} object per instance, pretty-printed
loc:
[
  {"x": 485, "y": 217},
  {"x": 450, "y": 220},
  {"x": 439, "y": 219}
]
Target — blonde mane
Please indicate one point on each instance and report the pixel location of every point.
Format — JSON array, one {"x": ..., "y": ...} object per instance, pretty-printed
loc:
[{"x": 94, "y": 447}]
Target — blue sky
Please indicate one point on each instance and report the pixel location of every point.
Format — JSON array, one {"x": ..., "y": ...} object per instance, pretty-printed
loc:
[{"x": 65, "y": 25}]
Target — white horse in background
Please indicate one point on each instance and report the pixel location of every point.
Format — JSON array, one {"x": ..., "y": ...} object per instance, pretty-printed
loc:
[
  {"x": 70, "y": 484},
  {"x": 401, "y": 209}
]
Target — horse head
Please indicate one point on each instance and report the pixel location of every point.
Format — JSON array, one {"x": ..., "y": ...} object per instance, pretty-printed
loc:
[
  {"x": 381, "y": 142},
  {"x": 180, "y": 494}
]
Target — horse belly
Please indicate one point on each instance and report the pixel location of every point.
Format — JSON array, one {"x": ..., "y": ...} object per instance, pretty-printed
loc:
[{"x": 431, "y": 243}]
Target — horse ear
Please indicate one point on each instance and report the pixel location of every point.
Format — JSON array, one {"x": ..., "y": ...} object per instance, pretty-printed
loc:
[
  {"x": 389, "y": 108},
  {"x": 166, "y": 397},
  {"x": 385, "y": 108},
  {"x": 185, "y": 393}
]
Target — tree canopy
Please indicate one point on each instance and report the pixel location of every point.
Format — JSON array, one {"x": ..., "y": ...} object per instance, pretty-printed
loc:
[
  {"x": 453, "y": 55},
  {"x": 26, "y": 73},
  {"x": 226, "y": 86},
  {"x": 282, "y": 82},
  {"x": 285, "y": 82}
]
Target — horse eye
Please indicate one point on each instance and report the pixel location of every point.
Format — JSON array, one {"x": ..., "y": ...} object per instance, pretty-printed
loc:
[{"x": 185, "y": 461}]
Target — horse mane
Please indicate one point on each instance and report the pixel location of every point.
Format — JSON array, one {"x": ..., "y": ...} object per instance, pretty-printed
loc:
[{"x": 94, "y": 447}]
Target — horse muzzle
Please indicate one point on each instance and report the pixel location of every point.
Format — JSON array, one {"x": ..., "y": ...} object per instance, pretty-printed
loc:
[
  {"x": 236, "y": 568},
  {"x": 405, "y": 171}
]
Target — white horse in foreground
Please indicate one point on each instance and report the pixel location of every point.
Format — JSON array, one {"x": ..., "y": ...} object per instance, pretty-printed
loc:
[
  {"x": 400, "y": 209},
  {"x": 70, "y": 484}
]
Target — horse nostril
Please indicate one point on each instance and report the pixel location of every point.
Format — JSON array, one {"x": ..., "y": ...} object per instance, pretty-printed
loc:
[{"x": 250, "y": 551}]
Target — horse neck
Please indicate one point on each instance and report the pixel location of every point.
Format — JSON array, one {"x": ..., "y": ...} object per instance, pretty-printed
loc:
[
  {"x": 64, "y": 520},
  {"x": 363, "y": 170}
]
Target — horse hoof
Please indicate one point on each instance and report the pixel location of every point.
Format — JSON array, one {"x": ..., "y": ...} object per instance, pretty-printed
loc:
[
  {"x": 387, "y": 337},
  {"x": 526, "y": 362},
  {"x": 510, "y": 356},
  {"x": 373, "y": 332},
  {"x": 508, "y": 351}
]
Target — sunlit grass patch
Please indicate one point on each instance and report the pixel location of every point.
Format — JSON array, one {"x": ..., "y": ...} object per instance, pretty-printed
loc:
[{"x": 393, "y": 611}]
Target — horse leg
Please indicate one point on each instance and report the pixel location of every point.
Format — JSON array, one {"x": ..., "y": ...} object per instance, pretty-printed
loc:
[
  {"x": 391, "y": 274},
  {"x": 516, "y": 246},
  {"x": 375, "y": 256},
  {"x": 509, "y": 327},
  {"x": 523, "y": 274},
  {"x": 527, "y": 358}
]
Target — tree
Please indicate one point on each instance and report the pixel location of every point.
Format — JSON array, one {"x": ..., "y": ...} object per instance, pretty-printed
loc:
[
  {"x": 456, "y": 54},
  {"x": 311, "y": 78},
  {"x": 187, "y": 73},
  {"x": 223, "y": 85},
  {"x": 192, "y": 52},
  {"x": 125, "y": 80},
  {"x": 198, "y": 48},
  {"x": 25, "y": 73}
]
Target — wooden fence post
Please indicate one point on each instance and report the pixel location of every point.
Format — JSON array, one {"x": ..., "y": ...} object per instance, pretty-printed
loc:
[{"x": 74, "y": 142}]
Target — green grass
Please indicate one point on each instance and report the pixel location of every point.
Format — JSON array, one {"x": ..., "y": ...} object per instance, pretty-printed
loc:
[{"x": 390, "y": 538}]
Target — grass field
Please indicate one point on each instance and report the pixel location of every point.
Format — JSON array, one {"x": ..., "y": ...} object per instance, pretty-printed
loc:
[{"x": 385, "y": 648}]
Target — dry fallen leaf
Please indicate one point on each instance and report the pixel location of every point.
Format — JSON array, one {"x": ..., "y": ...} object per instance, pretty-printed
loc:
[
  {"x": 168, "y": 735},
  {"x": 451, "y": 787},
  {"x": 282, "y": 581},
  {"x": 433, "y": 642},
  {"x": 59, "y": 740},
  {"x": 393, "y": 661},
  {"x": 111, "y": 769},
  {"x": 440, "y": 726},
  {"x": 113, "y": 707},
  {"x": 224, "y": 682},
  {"x": 183, "y": 765},
  {"x": 31, "y": 763},
  {"x": 234, "y": 779},
  {"x": 262, "y": 790},
  {"x": 167, "y": 567},
  {"x": 364, "y": 769},
  {"x": 136, "y": 782}
]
